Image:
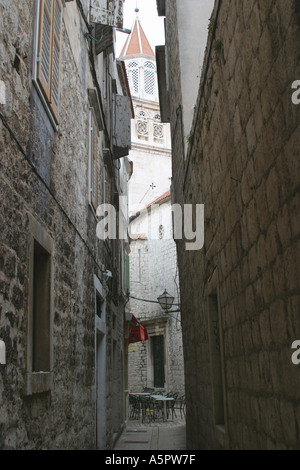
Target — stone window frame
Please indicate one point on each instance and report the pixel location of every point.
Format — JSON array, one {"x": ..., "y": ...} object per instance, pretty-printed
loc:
[{"x": 42, "y": 381}]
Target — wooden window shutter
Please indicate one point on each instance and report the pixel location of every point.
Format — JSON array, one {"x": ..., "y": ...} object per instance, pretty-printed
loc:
[
  {"x": 49, "y": 51},
  {"x": 56, "y": 56},
  {"x": 127, "y": 271},
  {"x": 117, "y": 247},
  {"x": 107, "y": 198},
  {"x": 45, "y": 47},
  {"x": 106, "y": 186},
  {"x": 93, "y": 156}
]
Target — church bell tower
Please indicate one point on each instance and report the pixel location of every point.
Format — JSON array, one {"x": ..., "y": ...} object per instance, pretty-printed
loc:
[{"x": 150, "y": 138}]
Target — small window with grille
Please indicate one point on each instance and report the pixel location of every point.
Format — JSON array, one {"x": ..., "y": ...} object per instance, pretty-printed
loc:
[
  {"x": 157, "y": 127},
  {"x": 133, "y": 76},
  {"x": 161, "y": 232},
  {"x": 142, "y": 123}
]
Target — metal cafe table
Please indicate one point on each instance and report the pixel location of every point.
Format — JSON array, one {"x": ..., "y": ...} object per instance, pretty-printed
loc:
[{"x": 164, "y": 399}]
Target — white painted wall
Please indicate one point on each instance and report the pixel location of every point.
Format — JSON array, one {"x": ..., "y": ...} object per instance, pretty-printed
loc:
[
  {"x": 148, "y": 167},
  {"x": 193, "y": 20},
  {"x": 151, "y": 157}
]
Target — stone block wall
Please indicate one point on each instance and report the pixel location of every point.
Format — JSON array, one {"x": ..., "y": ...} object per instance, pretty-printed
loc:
[
  {"x": 44, "y": 176},
  {"x": 243, "y": 164}
]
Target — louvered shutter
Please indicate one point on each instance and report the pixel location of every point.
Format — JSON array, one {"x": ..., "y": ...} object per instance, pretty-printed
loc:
[
  {"x": 49, "y": 52},
  {"x": 93, "y": 165},
  {"x": 56, "y": 53},
  {"x": 45, "y": 47},
  {"x": 106, "y": 199}
]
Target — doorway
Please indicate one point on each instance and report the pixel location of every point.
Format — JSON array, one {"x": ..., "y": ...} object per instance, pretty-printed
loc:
[
  {"x": 158, "y": 361},
  {"x": 100, "y": 390},
  {"x": 100, "y": 364}
]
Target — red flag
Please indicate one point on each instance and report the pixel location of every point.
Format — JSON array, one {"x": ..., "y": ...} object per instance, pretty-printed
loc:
[{"x": 137, "y": 331}]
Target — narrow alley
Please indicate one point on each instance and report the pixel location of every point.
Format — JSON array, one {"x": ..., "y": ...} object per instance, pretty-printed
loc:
[{"x": 149, "y": 226}]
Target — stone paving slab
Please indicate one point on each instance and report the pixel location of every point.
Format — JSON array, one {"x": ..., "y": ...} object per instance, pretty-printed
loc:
[{"x": 169, "y": 435}]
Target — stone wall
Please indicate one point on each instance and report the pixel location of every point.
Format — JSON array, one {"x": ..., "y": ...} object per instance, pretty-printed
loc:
[
  {"x": 242, "y": 163},
  {"x": 44, "y": 177}
]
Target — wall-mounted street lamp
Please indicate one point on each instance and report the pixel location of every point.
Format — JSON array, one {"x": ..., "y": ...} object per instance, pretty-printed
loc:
[{"x": 165, "y": 300}]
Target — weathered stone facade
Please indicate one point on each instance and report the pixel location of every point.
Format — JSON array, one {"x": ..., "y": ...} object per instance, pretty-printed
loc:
[
  {"x": 240, "y": 293},
  {"x": 46, "y": 208}
]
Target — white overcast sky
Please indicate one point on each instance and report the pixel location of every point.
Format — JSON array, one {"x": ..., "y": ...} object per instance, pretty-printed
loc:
[{"x": 152, "y": 24}]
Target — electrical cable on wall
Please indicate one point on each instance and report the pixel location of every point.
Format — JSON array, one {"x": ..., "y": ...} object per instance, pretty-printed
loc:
[{"x": 22, "y": 151}]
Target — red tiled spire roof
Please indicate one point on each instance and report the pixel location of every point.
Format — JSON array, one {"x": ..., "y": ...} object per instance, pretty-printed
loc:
[{"x": 137, "y": 43}]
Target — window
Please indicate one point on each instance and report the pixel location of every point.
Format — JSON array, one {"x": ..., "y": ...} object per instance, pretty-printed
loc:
[
  {"x": 157, "y": 127},
  {"x": 40, "y": 311},
  {"x": 133, "y": 77},
  {"x": 216, "y": 360},
  {"x": 2, "y": 352},
  {"x": 100, "y": 363},
  {"x": 124, "y": 270},
  {"x": 158, "y": 361},
  {"x": 142, "y": 123},
  {"x": 106, "y": 195},
  {"x": 106, "y": 187},
  {"x": 161, "y": 232},
  {"x": 99, "y": 304},
  {"x": 127, "y": 274},
  {"x": 117, "y": 247},
  {"x": 49, "y": 52},
  {"x": 93, "y": 196},
  {"x": 149, "y": 78}
]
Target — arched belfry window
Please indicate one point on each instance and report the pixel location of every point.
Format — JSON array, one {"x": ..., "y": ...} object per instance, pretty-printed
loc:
[
  {"x": 142, "y": 123},
  {"x": 133, "y": 76},
  {"x": 149, "y": 78}
]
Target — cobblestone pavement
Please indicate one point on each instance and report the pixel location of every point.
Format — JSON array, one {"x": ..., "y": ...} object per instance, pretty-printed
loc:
[{"x": 153, "y": 435}]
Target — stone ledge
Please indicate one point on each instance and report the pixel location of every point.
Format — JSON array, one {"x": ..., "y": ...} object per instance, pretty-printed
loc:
[{"x": 38, "y": 382}]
